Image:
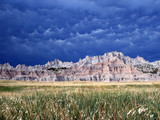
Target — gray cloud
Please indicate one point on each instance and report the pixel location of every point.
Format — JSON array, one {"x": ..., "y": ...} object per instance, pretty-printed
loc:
[{"x": 35, "y": 31}]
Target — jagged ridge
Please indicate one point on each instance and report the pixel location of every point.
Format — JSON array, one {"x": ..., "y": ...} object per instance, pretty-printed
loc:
[{"x": 112, "y": 66}]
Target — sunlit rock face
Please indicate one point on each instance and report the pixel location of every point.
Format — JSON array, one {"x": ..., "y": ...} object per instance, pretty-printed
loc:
[{"x": 113, "y": 66}]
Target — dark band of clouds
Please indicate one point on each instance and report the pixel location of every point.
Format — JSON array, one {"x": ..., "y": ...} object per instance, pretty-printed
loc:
[{"x": 37, "y": 31}]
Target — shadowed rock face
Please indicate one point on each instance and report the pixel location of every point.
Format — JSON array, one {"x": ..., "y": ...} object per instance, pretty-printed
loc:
[{"x": 113, "y": 66}]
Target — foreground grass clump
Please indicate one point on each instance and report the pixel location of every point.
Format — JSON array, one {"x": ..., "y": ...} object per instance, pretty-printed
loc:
[{"x": 82, "y": 103}]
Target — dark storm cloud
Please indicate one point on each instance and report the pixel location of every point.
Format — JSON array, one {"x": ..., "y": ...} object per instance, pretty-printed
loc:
[{"x": 35, "y": 31}]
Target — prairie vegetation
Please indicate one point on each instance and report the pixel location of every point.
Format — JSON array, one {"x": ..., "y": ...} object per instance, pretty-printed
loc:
[{"x": 79, "y": 100}]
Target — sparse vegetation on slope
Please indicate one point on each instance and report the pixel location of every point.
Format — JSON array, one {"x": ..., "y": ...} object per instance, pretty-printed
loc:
[
  {"x": 57, "y": 69},
  {"x": 147, "y": 68}
]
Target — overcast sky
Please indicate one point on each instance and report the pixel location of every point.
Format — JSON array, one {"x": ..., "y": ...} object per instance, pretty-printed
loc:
[{"x": 36, "y": 31}]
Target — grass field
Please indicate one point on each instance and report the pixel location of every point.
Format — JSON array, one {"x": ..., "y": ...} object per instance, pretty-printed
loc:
[{"x": 79, "y": 100}]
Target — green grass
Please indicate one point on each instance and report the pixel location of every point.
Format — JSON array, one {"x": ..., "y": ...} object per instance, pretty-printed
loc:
[
  {"x": 11, "y": 88},
  {"x": 125, "y": 102}
]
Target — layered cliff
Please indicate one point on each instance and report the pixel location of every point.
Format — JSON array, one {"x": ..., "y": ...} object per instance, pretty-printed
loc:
[{"x": 113, "y": 66}]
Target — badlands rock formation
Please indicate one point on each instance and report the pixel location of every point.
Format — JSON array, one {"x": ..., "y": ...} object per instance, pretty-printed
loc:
[{"x": 113, "y": 66}]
